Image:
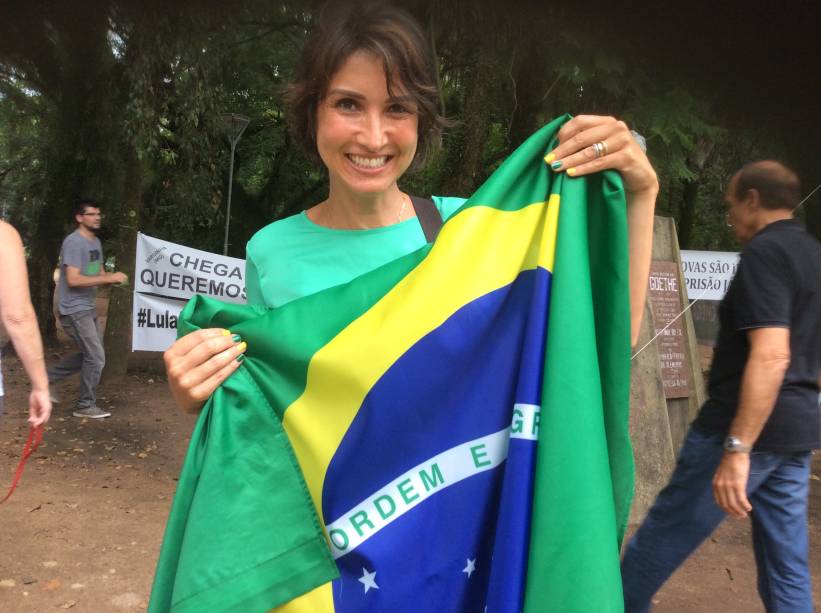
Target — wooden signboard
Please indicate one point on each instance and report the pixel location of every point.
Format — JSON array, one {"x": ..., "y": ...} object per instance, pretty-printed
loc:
[{"x": 666, "y": 304}]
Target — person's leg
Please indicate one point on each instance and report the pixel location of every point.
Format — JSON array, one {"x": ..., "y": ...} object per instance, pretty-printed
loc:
[
  {"x": 780, "y": 536},
  {"x": 683, "y": 515},
  {"x": 72, "y": 363},
  {"x": 91, "y": 345},
  {"x": 761, "y": 563},
  {"x": 761, "y": 466}
]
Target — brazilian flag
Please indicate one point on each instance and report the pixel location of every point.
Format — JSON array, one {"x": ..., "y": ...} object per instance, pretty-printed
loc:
[{"x": 445, "y": 433}]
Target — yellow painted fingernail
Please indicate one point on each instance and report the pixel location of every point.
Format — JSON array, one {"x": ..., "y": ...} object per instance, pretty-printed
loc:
[
  {"x": 243, "y": 346},
  {"x": 226, "y": 332},
  {"x": 571, "y": 171},
  {"x": 549, "y": 157}
]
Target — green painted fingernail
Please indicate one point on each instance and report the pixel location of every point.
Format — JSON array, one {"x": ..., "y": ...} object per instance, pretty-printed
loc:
[
  {"x": 240, "y": 357},
  {"x": 556, "y": 165},
  {"x": 236, "y": 338}
]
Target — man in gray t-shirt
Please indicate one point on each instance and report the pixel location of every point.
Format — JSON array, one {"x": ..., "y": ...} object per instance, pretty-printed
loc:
[{"x": 81, "y": 272}]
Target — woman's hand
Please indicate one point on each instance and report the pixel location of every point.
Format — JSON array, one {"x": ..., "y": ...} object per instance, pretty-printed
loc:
[
  {"x": 577, "y": 152},
  {"x": 588, "y": 144},
  {"x": 197, "y": 363},
  {"x": 39, "y": 407}
]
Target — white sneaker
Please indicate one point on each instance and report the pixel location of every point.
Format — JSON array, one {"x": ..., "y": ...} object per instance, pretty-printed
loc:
[{"x": 92, "y": 413}]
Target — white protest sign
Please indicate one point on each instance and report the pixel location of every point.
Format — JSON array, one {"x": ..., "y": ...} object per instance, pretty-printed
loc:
[
  {"x": 176, "y": 271},
  {"x": 166, "y": 275},
  {"x": 708, "y": 273},
  {"x": 154, "y": 322}
]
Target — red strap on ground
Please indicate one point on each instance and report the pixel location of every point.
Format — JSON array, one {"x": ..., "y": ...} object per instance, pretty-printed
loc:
[{"x": 35, "y": 436}]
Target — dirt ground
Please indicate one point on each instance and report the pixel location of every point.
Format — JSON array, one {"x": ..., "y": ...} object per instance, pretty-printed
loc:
[{"x": 83, "y": 530}]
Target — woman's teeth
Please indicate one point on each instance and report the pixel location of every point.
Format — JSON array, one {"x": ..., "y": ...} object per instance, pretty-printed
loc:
[{"x": 369, "y": 162}]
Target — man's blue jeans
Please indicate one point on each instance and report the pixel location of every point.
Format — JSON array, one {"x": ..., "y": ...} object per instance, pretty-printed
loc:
[
  {"x": 685, "y": 513},
  {"x": 82, "y": 328}
]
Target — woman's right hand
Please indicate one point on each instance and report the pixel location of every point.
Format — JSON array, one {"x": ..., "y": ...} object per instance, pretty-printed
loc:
[
  {"x": 199, "y": 362},
  {"x": 39, "y": 406}
]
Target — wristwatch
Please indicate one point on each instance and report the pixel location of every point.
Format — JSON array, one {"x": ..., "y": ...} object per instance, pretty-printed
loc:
[{"x": 734, "y": 445}]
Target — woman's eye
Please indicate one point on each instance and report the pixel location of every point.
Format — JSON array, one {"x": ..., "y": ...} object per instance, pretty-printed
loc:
[
  {"x": 399, "y": 109},
  {"x": 346, "y": 104}
]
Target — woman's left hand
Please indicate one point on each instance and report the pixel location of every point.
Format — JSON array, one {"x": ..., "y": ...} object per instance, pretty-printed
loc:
[{"x": 590, "y": 143}]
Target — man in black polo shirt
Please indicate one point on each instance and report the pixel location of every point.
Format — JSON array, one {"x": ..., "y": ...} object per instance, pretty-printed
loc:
[{"x": 749, "y": 449}]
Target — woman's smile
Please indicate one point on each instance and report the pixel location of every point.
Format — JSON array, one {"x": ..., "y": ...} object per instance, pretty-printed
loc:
[{"x": 369, "y": 163}]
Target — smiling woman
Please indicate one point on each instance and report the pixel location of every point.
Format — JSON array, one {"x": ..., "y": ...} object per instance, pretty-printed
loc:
[
  {"x": 389, "y": 36},
  {"x": 364, "y": 106},
  {"x": 367, "y": 139}
]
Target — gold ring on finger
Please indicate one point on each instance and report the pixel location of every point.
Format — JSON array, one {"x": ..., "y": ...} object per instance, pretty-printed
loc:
[{"x": 604, "y": 148}]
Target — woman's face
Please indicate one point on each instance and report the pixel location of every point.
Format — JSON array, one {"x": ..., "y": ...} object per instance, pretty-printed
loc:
[{"x": 365, "y": 137}]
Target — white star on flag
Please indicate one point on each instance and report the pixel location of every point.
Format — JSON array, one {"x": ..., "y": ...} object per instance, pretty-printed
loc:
[
  {"x": 368, "y": 580},
  {"x": 470, "y": 567}
]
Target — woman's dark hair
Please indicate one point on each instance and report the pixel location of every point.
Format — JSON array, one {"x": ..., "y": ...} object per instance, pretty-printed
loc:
[{"x": 391, "y": 35}]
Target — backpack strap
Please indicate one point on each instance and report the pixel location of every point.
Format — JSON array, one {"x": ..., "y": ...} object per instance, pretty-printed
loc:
[{"x": 429, "y": 217}]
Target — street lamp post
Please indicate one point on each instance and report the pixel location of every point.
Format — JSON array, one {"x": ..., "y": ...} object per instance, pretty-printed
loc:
[{"x": 235, "y": 125}]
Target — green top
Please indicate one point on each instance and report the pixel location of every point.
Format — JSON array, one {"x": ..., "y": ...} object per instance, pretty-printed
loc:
[{"x": 295, "y": 257}]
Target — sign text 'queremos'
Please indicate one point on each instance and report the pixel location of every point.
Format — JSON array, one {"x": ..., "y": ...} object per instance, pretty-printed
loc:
[{"x": 177, "y": 271}]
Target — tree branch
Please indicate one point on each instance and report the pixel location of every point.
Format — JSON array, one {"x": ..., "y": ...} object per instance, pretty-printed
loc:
[
  {"x": 550, "y": 89},
  {"x": 513, "y": 85},
  {"x": 432, "y": 38},
  {"x": 279, "y": 27}
]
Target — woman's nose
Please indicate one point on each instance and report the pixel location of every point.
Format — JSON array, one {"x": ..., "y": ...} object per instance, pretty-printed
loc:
[{"x": 373, "y": 134}]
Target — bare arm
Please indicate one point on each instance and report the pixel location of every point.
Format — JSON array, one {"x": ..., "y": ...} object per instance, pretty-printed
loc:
[
  {"x": 74, "y": 278},
  {"x": 640, "y": 214},
  {"x": 15, "y": 307},
  {"x": 763, "y": 375},
  {"x": 764, "y": 372},
  {"x": 20, "y": 321}
]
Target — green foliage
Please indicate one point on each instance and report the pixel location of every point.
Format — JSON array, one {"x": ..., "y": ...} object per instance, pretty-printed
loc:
[{"x": 84, "y": 97}]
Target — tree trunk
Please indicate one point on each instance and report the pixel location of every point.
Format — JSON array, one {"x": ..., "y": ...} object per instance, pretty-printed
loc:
[
  {"x": 51, "y": 228},
  {"x": 41, "y": 286},
  {"x": 687, "y": 212},
  {"x": 117, "y": 341},
  {"x": 697, "y": 162},
  {"x": 532, "y": 81},
  {"x": 69, "y": 66},
  {"x": 463, "y": 168}
]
